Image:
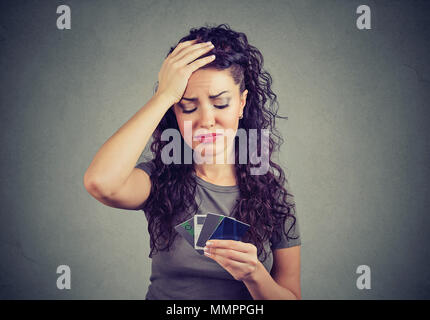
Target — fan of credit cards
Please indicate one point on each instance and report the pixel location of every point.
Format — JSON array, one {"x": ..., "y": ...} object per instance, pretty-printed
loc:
[{"x": 203, "y": 227}]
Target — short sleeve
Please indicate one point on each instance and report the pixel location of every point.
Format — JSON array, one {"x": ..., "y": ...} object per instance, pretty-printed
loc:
[
  {"x": 294, "y": 238},
  {"x": 147, "y": 166}
]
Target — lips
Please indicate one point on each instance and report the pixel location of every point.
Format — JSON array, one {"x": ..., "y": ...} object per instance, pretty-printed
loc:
[{"x": 208, "y": 137}]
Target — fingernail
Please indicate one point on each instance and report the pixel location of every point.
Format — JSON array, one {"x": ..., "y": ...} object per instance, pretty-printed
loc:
[
  {"x": 208, "y": 243},
  {"x": 207, "y": 253}
]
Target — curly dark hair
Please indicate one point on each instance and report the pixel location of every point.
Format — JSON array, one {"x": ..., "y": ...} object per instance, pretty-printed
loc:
[{"x": 264, "y": 202}]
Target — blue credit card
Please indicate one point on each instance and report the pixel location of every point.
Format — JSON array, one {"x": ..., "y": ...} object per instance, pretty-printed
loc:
[{"x": 230, "y": 229}]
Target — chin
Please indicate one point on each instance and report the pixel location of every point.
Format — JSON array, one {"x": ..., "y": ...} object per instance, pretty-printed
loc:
[{"x": 211, "y": 153}]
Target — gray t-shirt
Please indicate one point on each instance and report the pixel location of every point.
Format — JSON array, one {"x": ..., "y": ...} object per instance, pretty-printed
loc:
[{"x": 183, "y": 274}]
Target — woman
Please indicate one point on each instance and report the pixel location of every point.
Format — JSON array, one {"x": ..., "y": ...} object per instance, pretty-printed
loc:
[{"x": 199, "y": 93}]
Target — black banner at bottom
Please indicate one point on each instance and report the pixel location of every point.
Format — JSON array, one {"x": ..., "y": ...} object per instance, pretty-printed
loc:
[{"x": 184, "y": 309}]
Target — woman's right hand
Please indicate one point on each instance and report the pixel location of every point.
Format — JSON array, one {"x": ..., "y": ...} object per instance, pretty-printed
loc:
[{"x": 177, "y": 68}]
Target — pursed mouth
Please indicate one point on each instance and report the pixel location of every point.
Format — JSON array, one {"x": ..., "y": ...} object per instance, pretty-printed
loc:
[
  {"x": 205, "y": 136},
  {"x": 208, "y": 137}
]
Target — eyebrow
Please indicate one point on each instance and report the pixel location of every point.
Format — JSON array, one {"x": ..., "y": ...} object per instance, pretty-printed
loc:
[{"x": 212, "y": 97}]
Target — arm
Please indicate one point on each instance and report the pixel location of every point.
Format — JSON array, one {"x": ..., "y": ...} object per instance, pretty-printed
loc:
[
  {"x": 283, "y": 283},
  {"x": 116, "y": 159},
  {"x": 240, "y": 260}
]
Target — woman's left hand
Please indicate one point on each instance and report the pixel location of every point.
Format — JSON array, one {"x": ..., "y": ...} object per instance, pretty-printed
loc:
[{"x": 237, "y": 257}]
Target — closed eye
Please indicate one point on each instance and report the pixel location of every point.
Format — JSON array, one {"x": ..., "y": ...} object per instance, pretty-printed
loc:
[
  {"x": 190, "y": 111},
  {"x": 221, "y": 107}
]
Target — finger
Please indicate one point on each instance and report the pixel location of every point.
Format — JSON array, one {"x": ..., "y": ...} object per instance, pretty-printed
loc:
[
  {"x": 231, "y": 264},
  {"x": 229, "y": 244},
  {"x": 192, "y": 52},
  {"x": 200, "y": 63},
  {"x": 229, "y": 254},
  {"x": 180, "y": 46},
  {"x": 193, "y": 55}
]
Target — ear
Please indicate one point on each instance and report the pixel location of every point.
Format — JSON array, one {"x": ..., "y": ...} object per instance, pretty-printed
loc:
[{"x": 243, "y": 100}]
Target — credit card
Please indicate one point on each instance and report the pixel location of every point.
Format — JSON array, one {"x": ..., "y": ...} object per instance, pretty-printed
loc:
[
  {"x": 199, "y": 221},
  {"x": 230, "y": 229},
  {"x": 211, "y": 223},
  {"x": 186, "y": 229}
]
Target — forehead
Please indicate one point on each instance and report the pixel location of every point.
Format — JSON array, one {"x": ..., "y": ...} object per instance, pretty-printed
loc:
[{"x": 209, "y": 82}]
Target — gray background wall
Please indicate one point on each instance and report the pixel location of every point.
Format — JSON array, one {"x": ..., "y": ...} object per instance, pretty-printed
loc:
[{"x": 356, "y": 146}]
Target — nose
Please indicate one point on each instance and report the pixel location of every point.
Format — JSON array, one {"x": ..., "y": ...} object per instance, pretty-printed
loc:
[{"x": 207, "y": 117}]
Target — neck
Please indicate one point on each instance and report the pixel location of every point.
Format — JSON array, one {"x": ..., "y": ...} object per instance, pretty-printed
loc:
[
  {"x": 218, "y": 173},
  {"x": 221, "y": 174}
]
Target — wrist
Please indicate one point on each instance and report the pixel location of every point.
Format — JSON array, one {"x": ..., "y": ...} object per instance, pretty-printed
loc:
[
  {"x": 254, "y": 277},
  {"x": 164, "y": 99}
]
